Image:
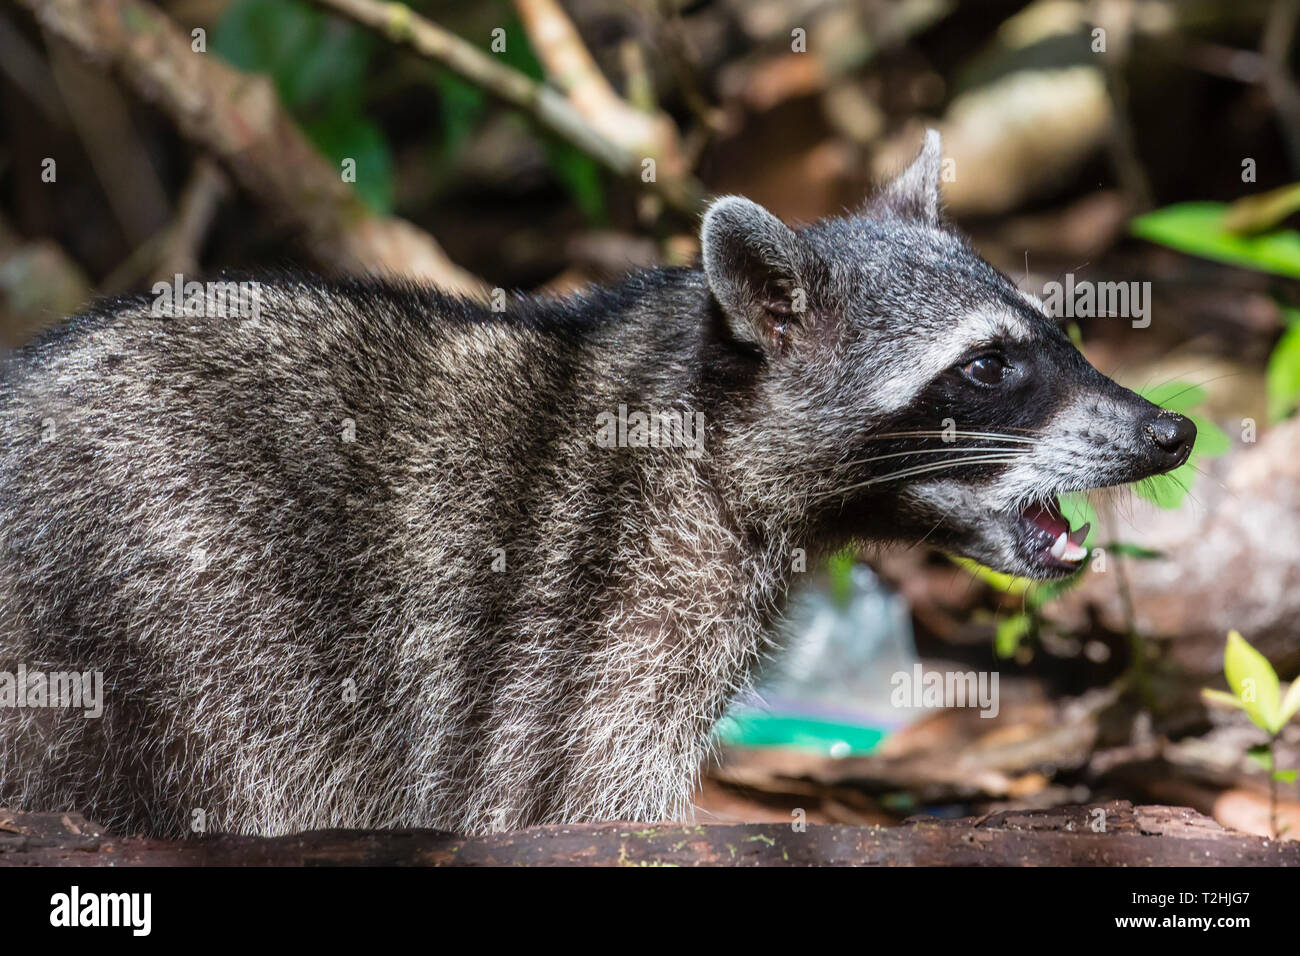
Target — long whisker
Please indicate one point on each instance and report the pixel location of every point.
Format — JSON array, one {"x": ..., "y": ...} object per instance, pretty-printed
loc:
[
  {"x": 944, "y": 517},
  {"x": 1205, "y": 474},
  {"x": 933, "y": 451},
  {"x": 1186, "y": 489},
  {"x": 1187, "y": 375},
  {"x": 1027, "y": 431},
  {"x": 936, "y": 433},
  {"x": 939, "y": 466},
  {"x": 957, "y": 453},
  {"x": 1217, "y": 378},
  {"x": 1001, "y": 459}
]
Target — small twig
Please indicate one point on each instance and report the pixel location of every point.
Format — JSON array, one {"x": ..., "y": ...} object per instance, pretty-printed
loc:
[
  {"x": 120, "y": 160},
  {"x": 1272, "y": 785},
  {"x": 1137, "y": 647},
  {"x": 175, "y": 248},
  {"x": 1279, "y": 32},
  {"x": 640, "y": 88},
  {"x": 23, "y": 65},
  {"x": 546, "y": 104},
  {"x": 675, "y": 44},
  {"x": 1123, "y": 147},
  {"x": 238, "y": 119},
  {"x": 197, "y": 206},
  {"x": 572, "y": 70}
]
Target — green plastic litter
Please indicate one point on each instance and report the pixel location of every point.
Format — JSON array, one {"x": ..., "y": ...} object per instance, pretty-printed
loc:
[{"x": 785, "y": 730}]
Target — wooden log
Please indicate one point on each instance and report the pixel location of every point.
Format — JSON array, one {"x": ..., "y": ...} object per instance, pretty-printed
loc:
[{"x": 1132, "y": 836}]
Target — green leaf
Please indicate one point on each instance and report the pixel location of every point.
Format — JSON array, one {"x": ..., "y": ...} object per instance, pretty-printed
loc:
[
  {"x": 1262, "y": 755},
  {"x": 1176, "y": 396},
  {"x": 581, "y": 176},
  {"x": 1010, "y": 631},
  {"x": 1078, "y": 511},
  {"x": 1164, "y": 491},
  {"x": 1290, "y": 703},
  {"x": 1006, "y": 583},
  {"x": 1198, "y": 228},
  {"x": 840, "y": 568},
  {"x": 1133, "y": 551},
  {"x": 1221, "y": 698},
  {"x": 520, "y": 55},
  {"x": 1044, "y": 591},
  {"x": 1211, "y": 440},
  {"x": 1168, "y": 491},
  {"x": 1285, "y": 776},
  {"x": 1252, "y": 678},
  {"x": 318, "y": 64},
  {"x": 348, "y": 136},
  {"x": 1283, "y": 377},
  {"x": 1035, "y": 593},
  {"x": 461, "y": 107}
]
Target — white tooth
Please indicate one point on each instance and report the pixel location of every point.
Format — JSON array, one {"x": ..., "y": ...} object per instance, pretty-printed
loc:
[
  {"x": 1060, "y": 544},
  {"x": 1075, "y": 552}
]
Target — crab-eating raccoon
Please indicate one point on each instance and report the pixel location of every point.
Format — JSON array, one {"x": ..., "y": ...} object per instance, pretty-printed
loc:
[{"x": 367, "y": 555}]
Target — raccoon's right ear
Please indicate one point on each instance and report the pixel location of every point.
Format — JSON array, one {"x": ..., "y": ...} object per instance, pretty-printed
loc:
[
  {"x": 756, "y": 266},
  {"x": 914, "y": 193}
]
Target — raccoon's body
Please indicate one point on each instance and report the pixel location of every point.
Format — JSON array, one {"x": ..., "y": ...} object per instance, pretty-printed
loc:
[
  {"x": 360, "y": 561},
  {"x": 371, "y": 558}
]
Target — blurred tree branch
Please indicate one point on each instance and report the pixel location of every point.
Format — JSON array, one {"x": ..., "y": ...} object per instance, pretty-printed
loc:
[
  {"x": 240, "y": 121},
  {"x": 1279, "y": 35},
  {"x": 102, "y": 118},
  {"x": 176, "y": 247},
  {"x": 182, "y": 240},
  {"x": 25, "y": 68},
  {"x": 584, "y": 110},
  {"x": 572, "y": 71}
]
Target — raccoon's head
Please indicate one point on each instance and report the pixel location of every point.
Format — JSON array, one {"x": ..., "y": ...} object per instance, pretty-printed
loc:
[{"x": 909, "y": 391}]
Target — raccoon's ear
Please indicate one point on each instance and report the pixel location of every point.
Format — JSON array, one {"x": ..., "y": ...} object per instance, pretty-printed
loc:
[
  {"x": 914, "y": 193},
  {"x": 756, "y": 267}
]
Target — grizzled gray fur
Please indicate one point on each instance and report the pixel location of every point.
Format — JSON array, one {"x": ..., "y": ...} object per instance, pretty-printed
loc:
[{"x": 373, "y": 556}]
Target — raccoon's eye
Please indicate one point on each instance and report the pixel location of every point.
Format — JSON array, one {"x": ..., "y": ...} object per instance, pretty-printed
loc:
[{"x": 985, "y": 370}]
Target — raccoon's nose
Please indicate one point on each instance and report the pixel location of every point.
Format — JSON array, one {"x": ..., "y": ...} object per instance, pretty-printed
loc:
[{"x": 1171, "y": 436}]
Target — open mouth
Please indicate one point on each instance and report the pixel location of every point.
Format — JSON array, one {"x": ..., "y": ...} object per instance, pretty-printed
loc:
[{"x": 1048, "y": 541}]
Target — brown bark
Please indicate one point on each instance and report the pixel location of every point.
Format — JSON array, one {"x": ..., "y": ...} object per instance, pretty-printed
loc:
[{"x": 1133, "y": 836}]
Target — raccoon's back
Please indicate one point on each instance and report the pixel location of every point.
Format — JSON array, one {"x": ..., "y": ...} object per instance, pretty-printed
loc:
[
  {"x": 234, "y": 519},
  {"x": 131, "y": 441}
]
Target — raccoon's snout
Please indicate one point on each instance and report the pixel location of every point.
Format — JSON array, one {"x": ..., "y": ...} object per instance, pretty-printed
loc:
[{"x": 1168, "y": 439}]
